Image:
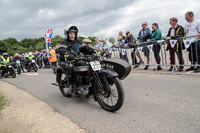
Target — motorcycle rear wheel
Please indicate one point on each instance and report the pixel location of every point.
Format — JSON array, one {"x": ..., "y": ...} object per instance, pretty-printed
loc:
[
  {"x": 63, "y": 85},
  {"x": 113, "y": 100}
]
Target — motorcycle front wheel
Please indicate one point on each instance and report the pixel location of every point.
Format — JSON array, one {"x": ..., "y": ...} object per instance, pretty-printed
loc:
[
  {"x": 18, "y": 70},
  {"x": 35, "y": 67},
  {"x": 111, "y": 98},
  {"x": 28, "y": 68},
  {"x": 12, "y": 73}
]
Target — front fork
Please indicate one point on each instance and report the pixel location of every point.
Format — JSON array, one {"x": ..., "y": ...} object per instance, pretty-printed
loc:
[{"x": 103, "y": 88}]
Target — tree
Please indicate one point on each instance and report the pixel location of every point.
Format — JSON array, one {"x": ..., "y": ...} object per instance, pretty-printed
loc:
[
  {"x": 10, "y": 40},
  {"x": 40, "y": 46},
  {"x": 93, "y": 40},
  {"x": 80, "y": 38},
  {"x": 56, "y": 40},
  {"x": 3, "y": 48},
  {"x": 112, "y": 40}
]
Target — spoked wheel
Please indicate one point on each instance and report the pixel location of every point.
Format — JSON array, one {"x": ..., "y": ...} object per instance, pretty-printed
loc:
[
  {"x": 18, "y": 70},
  {"x": 34, "y": 67},
  {"x": 64, "y": 85},
  {"x": 12, "y": 73},
  {"x": 112, "y": 97},
  {"x": 28, "y": 68}
]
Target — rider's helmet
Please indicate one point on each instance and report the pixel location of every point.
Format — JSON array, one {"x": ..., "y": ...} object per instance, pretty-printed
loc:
[
  {"x": 30, "y": 54},
  {"x": 5, "y": 55},
  {"x": 16, "y": 55},
  {"x": 70, "y": 28}
]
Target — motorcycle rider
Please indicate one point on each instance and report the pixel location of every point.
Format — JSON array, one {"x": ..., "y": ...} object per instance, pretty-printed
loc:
[
  {"x": 28, "y": 58},
  {"x": 75, "y": 46},
  {"x": 4, "y": 60},
  {"x": 17, "y": 57},
  {"x": 72, "y": 42}
]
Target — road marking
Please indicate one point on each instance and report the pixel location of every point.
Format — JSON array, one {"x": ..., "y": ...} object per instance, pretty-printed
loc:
[{"x": 31, "y": 74}]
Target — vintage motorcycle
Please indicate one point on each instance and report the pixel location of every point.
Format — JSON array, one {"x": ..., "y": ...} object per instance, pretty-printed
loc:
[
  {"x": 93, "y": 76},
  {"x": 18, "y": 66},
  {"x": 9, "y": 70},
  {"x": 31, "y": 65}
]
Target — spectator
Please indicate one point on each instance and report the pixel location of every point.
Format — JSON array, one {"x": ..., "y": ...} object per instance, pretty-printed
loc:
[
  {"x": 97, "y": 44},
  {"x": 120, "y": 42},
  {"x": 105, "y": 46},
  {"x": 156, "y": 35},
  {"x": 144, "y": 34},
  {"x": 175, "y": 32},
  {"x": 45, "y": 59},
  {"x": 130, "y": 42},
  {"x": 122, "y": 46},
  {"x": 39, "y": 59},
  {"x": 192, "y": 28},
  {"x": 53, "y": 58}
]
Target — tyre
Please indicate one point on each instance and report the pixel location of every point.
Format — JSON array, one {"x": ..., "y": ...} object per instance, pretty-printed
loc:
[
  {"x": 110, "y": 99},
  {"x": 12, "y": 73},
  {"x": 28, "y": 68},
  {"x": 18, "y": 70},
  {"x": 64, "y": 85},
  {"x": 35, "y": 67}
]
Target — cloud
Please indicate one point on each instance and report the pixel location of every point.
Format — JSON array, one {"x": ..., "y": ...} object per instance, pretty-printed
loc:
[{"x": 29, "y": 19}]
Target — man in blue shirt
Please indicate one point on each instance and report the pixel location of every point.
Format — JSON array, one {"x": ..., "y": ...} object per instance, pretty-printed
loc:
[{"x": 144, "y": 34}]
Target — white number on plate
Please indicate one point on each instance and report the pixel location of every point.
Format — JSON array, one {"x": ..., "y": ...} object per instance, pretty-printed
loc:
[
  {"x": 18, "y": 61},
  {"x": 33, "y": 61},
  {"x": 95, "y": 65}
]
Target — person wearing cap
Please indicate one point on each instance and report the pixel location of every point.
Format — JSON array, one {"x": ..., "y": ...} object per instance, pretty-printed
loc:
[
  {"x": 176, "y": 31},
  {"x": 86, "y": 47}
]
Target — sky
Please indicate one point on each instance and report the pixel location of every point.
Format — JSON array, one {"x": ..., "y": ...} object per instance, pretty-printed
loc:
[{"x": 100, "y": 18}]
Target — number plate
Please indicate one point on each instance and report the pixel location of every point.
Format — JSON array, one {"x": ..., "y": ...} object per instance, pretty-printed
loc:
[
  {"x": 33, "y": 61},
  {"x": 17, "y": 61},
  {"x": 95, "y": 65}
]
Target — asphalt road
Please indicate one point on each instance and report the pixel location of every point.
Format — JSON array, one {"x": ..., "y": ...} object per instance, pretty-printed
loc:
[{"x": 154, "y": 103}]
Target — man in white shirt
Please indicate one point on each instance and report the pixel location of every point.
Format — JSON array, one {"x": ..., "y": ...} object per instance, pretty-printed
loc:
[{"x": 192, "y": 28}]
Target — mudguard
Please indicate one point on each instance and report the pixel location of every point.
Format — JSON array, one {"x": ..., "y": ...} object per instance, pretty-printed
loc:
[
  {"x": 108, "y": 73},
  {"x": 121, "y": 67}
]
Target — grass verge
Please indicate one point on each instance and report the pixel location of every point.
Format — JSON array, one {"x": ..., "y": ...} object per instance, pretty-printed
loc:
[{"x": 2, "y": 101}]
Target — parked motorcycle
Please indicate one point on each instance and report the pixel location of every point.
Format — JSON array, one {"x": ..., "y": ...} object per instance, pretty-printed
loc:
[{"x": 93, "y": 76}]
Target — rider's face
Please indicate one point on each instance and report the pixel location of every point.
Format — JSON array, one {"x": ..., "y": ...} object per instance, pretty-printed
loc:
[{"x": 72, "y": 36}]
